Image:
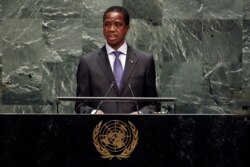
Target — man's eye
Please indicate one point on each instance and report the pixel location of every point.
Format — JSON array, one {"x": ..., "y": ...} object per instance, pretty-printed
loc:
[
  {"x": 107, "y": 25},
  {"x": 118, "y": 25}
]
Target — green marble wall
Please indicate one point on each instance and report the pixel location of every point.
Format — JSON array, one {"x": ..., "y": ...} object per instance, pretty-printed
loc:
[{"x": 201, "y": 49}]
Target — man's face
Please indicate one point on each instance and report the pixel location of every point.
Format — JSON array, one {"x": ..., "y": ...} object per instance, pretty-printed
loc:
[{"x": 114, "y": 29}]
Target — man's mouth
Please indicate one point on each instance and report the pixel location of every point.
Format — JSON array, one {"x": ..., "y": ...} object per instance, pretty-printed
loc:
[{"x": 111, "y": 37}]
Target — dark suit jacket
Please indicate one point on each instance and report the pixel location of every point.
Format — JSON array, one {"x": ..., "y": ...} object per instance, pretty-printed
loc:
[{"x": 95, "y": 77}]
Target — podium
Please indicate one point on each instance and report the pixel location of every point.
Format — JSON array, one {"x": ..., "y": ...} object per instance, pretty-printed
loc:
[
  {"x": 68, "y": 140},
  {"x": 170, "y": 101}
]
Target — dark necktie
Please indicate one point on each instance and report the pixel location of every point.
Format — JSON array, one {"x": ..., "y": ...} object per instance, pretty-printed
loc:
[{"x": 118, "y": 70}]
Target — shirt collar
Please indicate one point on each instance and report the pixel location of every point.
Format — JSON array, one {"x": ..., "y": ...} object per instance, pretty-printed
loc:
[{"x": 122, "y": 49}]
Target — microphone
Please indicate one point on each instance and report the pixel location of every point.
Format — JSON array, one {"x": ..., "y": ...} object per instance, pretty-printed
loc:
[
  {"x": 99, "y": 105},
  {"x": 137, "y": 107}
]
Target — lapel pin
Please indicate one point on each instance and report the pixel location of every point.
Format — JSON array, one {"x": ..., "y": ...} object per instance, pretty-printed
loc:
[{"x": 131, "y": 61}]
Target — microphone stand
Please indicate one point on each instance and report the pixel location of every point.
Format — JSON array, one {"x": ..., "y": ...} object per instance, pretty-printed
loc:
[
  {"x": 111, "y": 86},
  {"x": 137, "y": 107}
]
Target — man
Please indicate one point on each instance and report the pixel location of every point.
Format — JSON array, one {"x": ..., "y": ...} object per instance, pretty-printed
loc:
[{"x": 116, "y": 70}]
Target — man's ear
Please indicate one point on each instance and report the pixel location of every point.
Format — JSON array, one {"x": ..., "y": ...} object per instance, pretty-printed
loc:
[{"x": 127, "y": 27}]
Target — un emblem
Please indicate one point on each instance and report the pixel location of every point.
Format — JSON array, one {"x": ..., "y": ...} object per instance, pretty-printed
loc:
[{"x": 115, "y": 139}]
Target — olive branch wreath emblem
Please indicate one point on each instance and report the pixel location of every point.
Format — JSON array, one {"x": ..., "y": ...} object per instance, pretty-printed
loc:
[{"x": 105, "y": 153}]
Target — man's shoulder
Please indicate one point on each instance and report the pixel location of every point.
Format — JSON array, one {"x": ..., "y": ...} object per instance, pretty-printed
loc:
[
  {"x": 90, "y": 55},
  {"x": 142, "y": 55},
  {"x": 139, "y": 52}
]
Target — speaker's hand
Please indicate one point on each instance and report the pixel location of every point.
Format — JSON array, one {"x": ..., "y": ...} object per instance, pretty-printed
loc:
[{"x": 99, "y": 112}]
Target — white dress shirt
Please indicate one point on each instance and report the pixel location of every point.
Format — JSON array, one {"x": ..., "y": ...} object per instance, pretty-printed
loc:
[{"x": 123, "y": 49}]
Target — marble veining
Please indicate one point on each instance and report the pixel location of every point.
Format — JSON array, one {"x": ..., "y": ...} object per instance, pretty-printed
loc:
[{"x": 201, "y": 50}]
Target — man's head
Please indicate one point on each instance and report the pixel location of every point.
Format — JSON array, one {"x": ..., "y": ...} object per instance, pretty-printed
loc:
[{"x": 115, "y": 25}]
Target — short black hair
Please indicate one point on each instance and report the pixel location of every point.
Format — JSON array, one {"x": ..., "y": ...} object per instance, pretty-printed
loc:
[{"x": 118, "y": 9}]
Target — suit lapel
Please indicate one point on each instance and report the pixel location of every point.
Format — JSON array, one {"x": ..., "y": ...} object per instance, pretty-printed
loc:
[
  {"x": 103, "y": 62},
  {"x": 131, "y": 61}
]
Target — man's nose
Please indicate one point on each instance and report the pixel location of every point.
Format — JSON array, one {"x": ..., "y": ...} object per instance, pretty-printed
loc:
[{"x": 112, "y": 27}]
